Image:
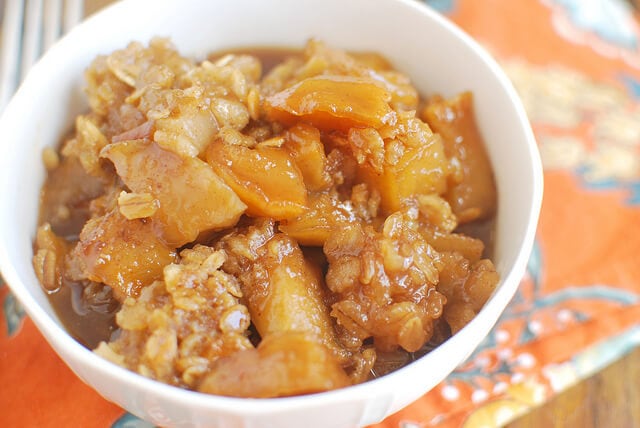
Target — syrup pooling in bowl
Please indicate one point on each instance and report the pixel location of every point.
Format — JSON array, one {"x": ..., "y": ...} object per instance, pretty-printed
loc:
[{"x": 209, "y": 221}]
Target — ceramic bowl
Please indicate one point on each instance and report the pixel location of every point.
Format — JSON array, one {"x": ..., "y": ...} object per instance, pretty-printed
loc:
[{"x": 438, "y": 57}]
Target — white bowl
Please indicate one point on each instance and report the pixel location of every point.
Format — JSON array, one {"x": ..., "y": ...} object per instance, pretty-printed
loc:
[{"x": 433, "y": 52}]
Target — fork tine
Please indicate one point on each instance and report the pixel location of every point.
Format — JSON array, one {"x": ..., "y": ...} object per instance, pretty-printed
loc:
[
  {"x": 10, "y": 52},
  {"x": 73, "y": 11},
  {"x": 52, "y": 22},
  {"x": 28, "y": 30},
  {"x": 31, "y": 36}
]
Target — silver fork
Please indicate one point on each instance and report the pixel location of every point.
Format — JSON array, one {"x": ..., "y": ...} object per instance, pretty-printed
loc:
[{"x": 30, "y": 27}]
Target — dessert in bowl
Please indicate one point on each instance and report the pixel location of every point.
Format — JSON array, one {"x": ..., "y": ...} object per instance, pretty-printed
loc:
[{"x": 450, "y": 66}]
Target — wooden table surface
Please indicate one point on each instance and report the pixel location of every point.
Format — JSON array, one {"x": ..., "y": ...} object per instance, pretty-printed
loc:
[{"x": 610, "y": 398}]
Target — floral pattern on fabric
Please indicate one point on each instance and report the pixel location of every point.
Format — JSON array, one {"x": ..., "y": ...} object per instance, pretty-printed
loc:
[
  {"x": 11, "y": 310},
  {"x": 607, "y": 26},
  {"x": 584, "y": 126},
  {"x": 130, "y": 421},
  {"x": 444, "y": 6}
]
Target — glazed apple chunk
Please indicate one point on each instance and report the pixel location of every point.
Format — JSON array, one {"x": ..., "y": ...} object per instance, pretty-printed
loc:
[
  {"x": 284, "y": 364},
  {"x": 192, "y": 199},
  {"x": 259, "y": 230},
  {"x": 277, "y": 192},
  {"x": 123, "y": 254},
  {"x": 472, "y": 189}
]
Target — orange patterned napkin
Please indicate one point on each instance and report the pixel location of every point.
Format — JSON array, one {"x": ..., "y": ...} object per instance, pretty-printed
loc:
[{"x": 576, "y": 65}]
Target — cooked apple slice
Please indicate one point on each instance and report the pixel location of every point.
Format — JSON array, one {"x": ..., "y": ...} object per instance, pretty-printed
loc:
[
  {"x": 123, "y": 254},
  {"x": 473, "y": 195},
  {"x": 265, "y": 178},
  {"x": 333, "y": 102},
  {"x": 192, "y": 198}
]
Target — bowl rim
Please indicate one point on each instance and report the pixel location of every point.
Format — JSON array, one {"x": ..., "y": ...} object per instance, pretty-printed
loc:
[{"x": 59, "y": 338}]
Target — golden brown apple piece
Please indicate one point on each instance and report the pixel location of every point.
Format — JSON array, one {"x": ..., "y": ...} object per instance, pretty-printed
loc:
[
  {"x": 123, "y": 254},
  {"x": 284, "y": 364},
  {"x": 333, "y": 102},
  {"x": 266, "y": 179},
  {"x": 473, "y": 193},
  {"x": 192, "y": 198},
  {"x": 304, "y": 144},
  {"x": 281, "y": 289},
  {"x": 414, "y": 163}
]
